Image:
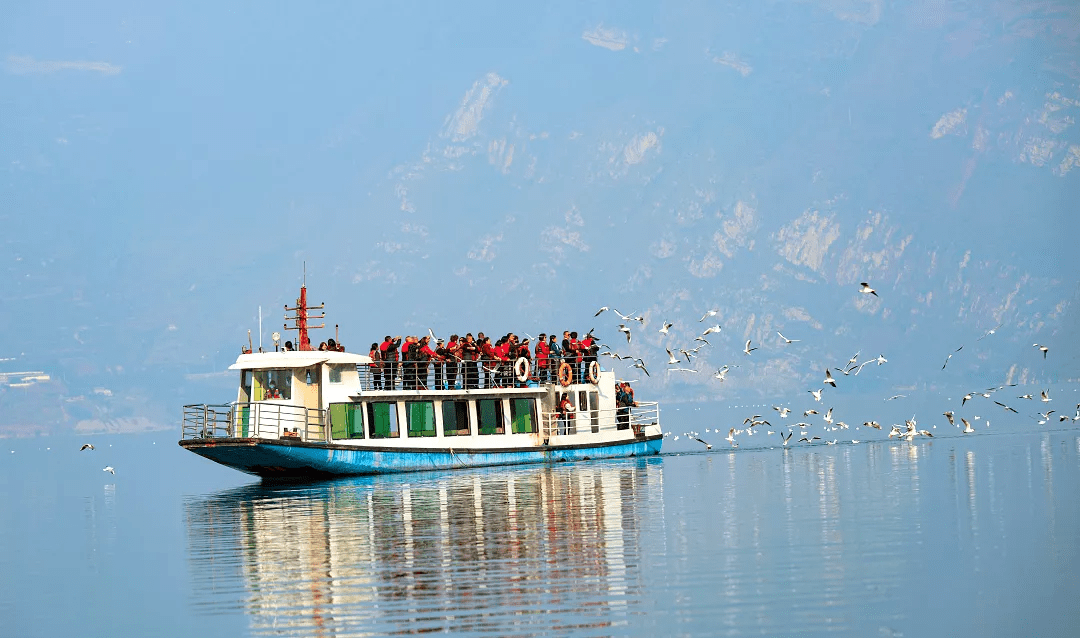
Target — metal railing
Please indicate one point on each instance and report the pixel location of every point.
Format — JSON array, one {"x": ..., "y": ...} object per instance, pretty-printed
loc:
[
  {"x": 636, "y": 418},
  {"x": 253, "y": 420},
  {"x": 458, "y": 375}
]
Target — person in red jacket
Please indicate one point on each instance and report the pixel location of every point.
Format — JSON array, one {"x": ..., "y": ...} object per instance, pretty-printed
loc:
[
  {"x": 424, "y": 358},
  {"x": 487, "y": 361},
  {"x": 542, "y": 354},
  {"x": 375, "y": 367},
  {"x": 389, "y": 350}
]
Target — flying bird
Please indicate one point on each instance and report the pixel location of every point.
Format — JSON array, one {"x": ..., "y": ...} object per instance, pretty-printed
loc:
[
  {"x": 86, "y": 446},
  {"x": 624, "y": 329},
  {"x": 949, "y": 415},
  {"x": 672, "y": 359},
  {"x": 783, "y": 411},
  {"x": 1045, "y": 396},
  {"x": 786, "y": 438},
  {"x": 600, "y": 311},
  {"x": 865, "y": 289},
  {"x": 710, "y": 330},
  {"x": 667, "y": 326},
  {"x": 829, "y": 378},
  {"x": 809, "y": 412},
  {"x": 786, "y": 340},
  {"x": 708, "y": 446},
  {"x": 989, "y": 332},
  {"x": 810, "y": 440},
  {"x": 1024, "y": 396},
  {"x": 710, "y": 313},
  {"x": 828, "y": 416},
  {"x": 967, "y": 426},
  {"x": 872, "y": 424},
  {"x": 747, "y": 349},
  {"x": 950, "y": 357},
  {"x": 1042, "y": 349},
  {"x": 896, "y": 396},
  {"x": 640, "y": 365},
  {"x": 1006, "y": 407},
  {"x": 721, "y": 373},
  {"x": 816, "y": 393},
  {"x": 109, "y": 469}
]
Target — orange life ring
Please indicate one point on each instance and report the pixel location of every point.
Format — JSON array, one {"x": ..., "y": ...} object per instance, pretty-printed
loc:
[
  {"x": 594, "y": 372},
  {"x": 522, "y": 368},
  {"x": 566, "y": 374}
]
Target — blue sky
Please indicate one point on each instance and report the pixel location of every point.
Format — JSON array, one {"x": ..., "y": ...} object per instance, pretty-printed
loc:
[{"x": 165, "y": 171}]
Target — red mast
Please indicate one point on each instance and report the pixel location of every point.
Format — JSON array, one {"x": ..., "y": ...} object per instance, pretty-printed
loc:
[{"x": 302, "y": 317}]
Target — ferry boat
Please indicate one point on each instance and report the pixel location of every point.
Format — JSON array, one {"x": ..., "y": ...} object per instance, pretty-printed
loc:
[{"x": 311, "y": 413}]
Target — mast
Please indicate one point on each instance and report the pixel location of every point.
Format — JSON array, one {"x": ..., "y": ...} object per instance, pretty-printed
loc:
[{"x": 302, "y": 316}]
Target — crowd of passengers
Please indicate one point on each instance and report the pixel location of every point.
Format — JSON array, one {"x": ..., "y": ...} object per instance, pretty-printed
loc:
[{"x": 473, "y": 362}]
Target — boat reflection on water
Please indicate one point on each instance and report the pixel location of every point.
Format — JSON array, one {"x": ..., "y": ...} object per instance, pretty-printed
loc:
[{"x": 534, "y": 549}]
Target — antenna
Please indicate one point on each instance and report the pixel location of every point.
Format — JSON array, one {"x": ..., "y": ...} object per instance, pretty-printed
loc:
[
  {"x": 260, "y": 328},
  {"x": 301, "y": 318}
]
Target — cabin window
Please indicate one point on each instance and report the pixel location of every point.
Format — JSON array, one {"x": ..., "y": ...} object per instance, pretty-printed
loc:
[
  {"x": 335, "y": 374},
  {"x": 346, "y": 421},
  {"x": 273, "y": 384},
  {"x": 245, "y": 386},
  {"x": 489, "y": 414},
  {"x": 455, "y": 418},
  {"x": 522, "y": 416},
  {"x": 594, "y": 408},
  {"x": 421, "y": 418},
  {"x": 382, "y": 420}
]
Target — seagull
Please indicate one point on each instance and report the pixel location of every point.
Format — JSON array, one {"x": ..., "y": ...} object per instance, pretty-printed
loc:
[
  {"x": 872, "y": 424},
  {"x": 109, "y": 469},
  {"x": 1024, "y": 396},
  {"x": 828, "y": 416},
  {"x": 786, "y": 438},
  {"x": 865, "y": 289},
  {"x": 721, "y": 373},
  {"x": 86, "y": 446},
  {"x": 810, "y": 440},
  {"x": 747, "y": 349},
  {"x": 624, "y": 329},
  {"x": 1006, "y": 407},
  {"x": 880, "y": 359},
  {"x": 950, "y": 357},
  {"x": 1045, "y": 396},
  {"x": 896, "y": 396},
  {"x": 829, "y": 379},
  {"x": 710, "y": 330},
  {"x": 640, "y": 365},
  {"x": 730, "y": 436},
  {"x": 949, "y": 415},
  {"x": 672, "y": 359},
  {"x": 967, "y": 426},
  {"x": 1042, "y": 349},
  {"x": 708, "y": 446},
  {"x": 600, "y": 311},
  {"x": 667, "y": 325},
  {"x": 816, "y": 393},
  {"x": 711, "y": 313},
  {"x": 967, "y": 397},
  {"x": 783, "y": 411},
  {"x": 809, "y": 412},
  {"x": 989, "y": 332},
  {"x": 786, "y": 340}
]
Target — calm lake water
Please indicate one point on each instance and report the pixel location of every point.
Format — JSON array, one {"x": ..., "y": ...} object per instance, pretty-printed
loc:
[{"x": 957, "y": 535}]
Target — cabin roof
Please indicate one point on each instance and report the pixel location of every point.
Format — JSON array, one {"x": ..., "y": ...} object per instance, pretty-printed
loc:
[{"x": 295, "y": 359}]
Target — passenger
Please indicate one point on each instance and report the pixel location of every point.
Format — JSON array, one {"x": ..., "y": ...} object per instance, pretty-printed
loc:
[
  {"x": 425, "y": 357},
  {"x": 453, "y": 362},
  {"x": 565, "y": 413},
  {"x": 469, "y": 353},
  {"x": 322, "y": 347},
  {"x": 488, "y": 362},
  {"x": 288, "y": 346},
  {"x": 556, "y": 357},
  {"x": 569, "y": 349},
  {"x": 375, "y": 367},
  {"x": 587, "y": 355},
  {"x": 442, "y": 355},
  {"x": 334, "y": 346},
  {"x": 542, "y": 353},
  {"x": 389, "y": 350},
  {"x": 624, "y": 400}
]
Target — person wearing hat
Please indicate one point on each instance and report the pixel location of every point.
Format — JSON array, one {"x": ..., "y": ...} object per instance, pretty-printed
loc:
[{"x": 441, "y": 355}]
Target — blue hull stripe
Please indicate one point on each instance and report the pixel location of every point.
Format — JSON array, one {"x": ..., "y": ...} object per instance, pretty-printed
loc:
[{"x": 278, "y": 460}]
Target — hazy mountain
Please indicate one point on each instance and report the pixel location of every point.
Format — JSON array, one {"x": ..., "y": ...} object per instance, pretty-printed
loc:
[{"x": 479, "y": 167}]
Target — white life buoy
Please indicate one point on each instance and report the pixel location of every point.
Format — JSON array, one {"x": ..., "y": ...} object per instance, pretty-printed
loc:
[
  {"x": 522, "y": 368},
  {"x": 594, "y": 372}
]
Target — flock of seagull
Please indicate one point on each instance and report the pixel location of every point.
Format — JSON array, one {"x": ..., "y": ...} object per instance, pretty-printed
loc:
[{"x": 908, "y": 431}]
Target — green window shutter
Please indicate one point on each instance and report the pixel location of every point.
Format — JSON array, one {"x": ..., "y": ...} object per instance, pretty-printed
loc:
[
  {"x": 379, "y": 417},
  {"x": 521, "y": 417},
  {"x": 421, "y": 416},
  {"x": 354, "y": 422},
  {"x": 338, "y": 419}
]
